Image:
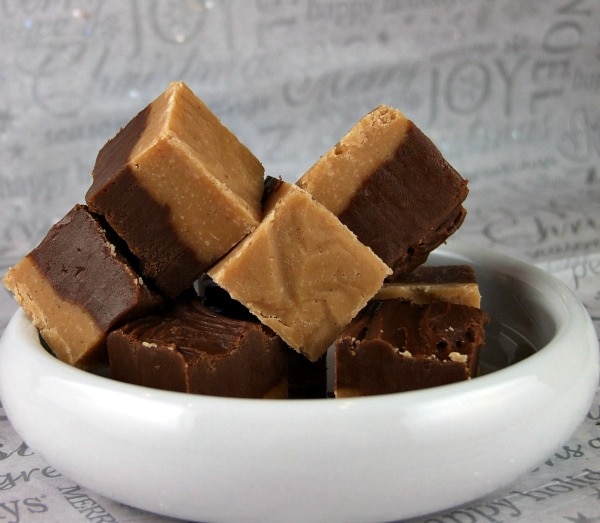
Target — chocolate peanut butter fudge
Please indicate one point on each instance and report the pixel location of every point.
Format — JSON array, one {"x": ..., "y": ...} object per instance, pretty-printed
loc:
[
  {"x": 176, "y": 197},
  {"x": 178, "y": 187},
  {"x": 301, "y": 272},
  {"x": 454, "y": 283},
  {"x": 392, "y": 187},
  {"x": 191, "y": 348},
  {"x": 76, "y": 285},
  {"x": 395, "y": 346}
]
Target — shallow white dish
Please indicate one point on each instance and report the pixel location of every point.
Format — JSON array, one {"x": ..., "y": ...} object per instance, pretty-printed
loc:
[{"x": 378, "y": 458}]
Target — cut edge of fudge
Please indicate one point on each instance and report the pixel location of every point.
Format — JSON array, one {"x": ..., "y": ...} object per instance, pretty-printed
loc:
[
  {"x": 45, "y": 308},
  {"x": 209, "y": 146},
  {"x": 293, "y": 280}
]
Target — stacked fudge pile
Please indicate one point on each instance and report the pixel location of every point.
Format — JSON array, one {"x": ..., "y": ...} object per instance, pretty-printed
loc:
[{"x": 189, "y": 270}]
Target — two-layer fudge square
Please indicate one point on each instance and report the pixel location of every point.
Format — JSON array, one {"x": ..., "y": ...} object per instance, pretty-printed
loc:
[
  {"x": 392, "y": 187},
  {"x": 178, "y": 187},
  {"x": 76, "y": 285}
]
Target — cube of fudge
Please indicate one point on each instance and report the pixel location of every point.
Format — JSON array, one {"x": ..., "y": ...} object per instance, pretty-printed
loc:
[
  {"x": 178, "y": 187},
  {"x": 454, "y": 283},
  {"x": 392, "y": 187},
  {"x": 191, "y": 348},
  {"x": 76, "y": 285},
  {"x": 396, "y": 346},
  {"x": 301, "y": 272}
]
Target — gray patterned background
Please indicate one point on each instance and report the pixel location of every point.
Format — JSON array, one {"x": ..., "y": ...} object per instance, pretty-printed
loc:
[{"x": 508, "y": 89}]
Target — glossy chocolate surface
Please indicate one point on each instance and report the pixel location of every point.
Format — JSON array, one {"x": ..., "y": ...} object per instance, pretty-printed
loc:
[{"x": 191, "y": 348}]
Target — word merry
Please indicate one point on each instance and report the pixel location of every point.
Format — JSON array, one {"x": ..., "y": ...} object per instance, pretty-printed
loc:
[{"x": 85, "y": 505}]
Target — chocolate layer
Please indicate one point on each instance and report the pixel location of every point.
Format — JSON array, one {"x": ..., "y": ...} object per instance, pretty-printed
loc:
[
  {"x": 435, "y": 274},
  {"x": 191, "y": 348},
  {"x": 306, "y": 379},
  {"x": 146, "y": 225},
  {"x": 409, "y": 205},
  {"x": 395, "y": 346},
  {"x": 117, "y": 151}
]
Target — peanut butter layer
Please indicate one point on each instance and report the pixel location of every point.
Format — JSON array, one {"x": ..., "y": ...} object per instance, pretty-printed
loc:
[
  {"x": 392, "y": 187},
  {"x": 425, "y": 284},
  {"x": 75, "y": 286},
  {"x": 301, "y": 272},
  {"x": 178, "y": 187},
  {"x": 396, "y": 346},
  {"x": 191, "y": 348}
]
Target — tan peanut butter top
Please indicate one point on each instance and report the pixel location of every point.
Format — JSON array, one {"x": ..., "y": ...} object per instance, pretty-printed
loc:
[{"x": 344, "y": 169}]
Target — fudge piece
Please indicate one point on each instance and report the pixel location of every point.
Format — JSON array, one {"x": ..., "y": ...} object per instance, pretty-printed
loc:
[
  {"x": 306, "y": 379},
  {"x": 76, "y": 285},
  {"x": 191, "y": 348},
  {"x": 396, "y": 346},
  {"x": 178, "y": 187},
  {"x": 301, "y": 272},
  {"x": 454, "y": 283},
  {"x": 391, "y": 186}
]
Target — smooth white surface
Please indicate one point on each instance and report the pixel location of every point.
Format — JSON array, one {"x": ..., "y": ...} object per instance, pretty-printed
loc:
[{"x": 363, "y": 459}]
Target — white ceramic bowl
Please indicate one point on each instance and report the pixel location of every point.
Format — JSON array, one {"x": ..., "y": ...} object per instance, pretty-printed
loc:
[{"x": 376, "y": 458}]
